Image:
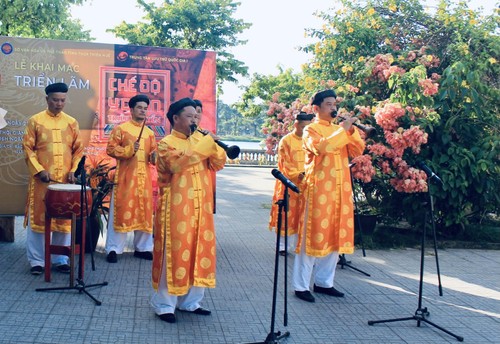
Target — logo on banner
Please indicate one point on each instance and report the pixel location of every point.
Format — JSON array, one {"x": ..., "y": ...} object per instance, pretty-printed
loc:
[
  {"x": 119, "y": 84},
  {"x": 7, "y": 48}
]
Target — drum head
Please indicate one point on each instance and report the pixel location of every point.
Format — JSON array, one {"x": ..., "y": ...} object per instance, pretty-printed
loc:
[{"x": 66, "y": 187}]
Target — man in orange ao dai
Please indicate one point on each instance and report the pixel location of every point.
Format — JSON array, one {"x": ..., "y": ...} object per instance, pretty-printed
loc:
[
  {"x": 291, "y": 157},
  {"x": 328, "y": 228},
  {"x": 184, "y": 235},
  {"x": 133, "y": 145},
  {"x": 52, "y": 148}
]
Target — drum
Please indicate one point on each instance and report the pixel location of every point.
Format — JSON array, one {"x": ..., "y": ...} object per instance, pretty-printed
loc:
[{"x": 63, "y": 200}]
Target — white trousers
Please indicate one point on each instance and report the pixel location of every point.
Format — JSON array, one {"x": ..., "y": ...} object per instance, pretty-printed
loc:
[
  {"x": 303, "y": 265},
  {"x": 163, "y": 302},
  {"x": 35, "y": 247},
  {"x": 292, "y": 241},
  {"x": 115, "y": 241}
]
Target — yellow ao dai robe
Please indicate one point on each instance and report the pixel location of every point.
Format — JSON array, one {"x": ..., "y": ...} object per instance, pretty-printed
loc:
[
  {"x": 184, "y": 228},
  {"x": 133, "y": 192},
  {"x": 51, "y": 143},
  {"x": 291, "y": 157},
  {"x": 329, "y": 217}
]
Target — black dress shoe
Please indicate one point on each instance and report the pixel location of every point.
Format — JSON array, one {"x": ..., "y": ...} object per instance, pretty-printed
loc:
[
  {"x": 143, "y": 255},
  {"x": 168, "y": 317},
  {"x": 282, "y": 253},
  {"x": 199, "y": 311},
  {"x": 112, "y": 257},
  {"x": 36, "y": 270},
  {"x": 305, "y": 295},
  {"x": 328, "y": 291},
  {"x": 64, "y": 268}
]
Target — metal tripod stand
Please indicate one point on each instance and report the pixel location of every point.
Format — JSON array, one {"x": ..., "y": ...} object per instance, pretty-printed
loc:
[
  {"x": 422, "y": 313},
  {"x": 274, "y": 337}
]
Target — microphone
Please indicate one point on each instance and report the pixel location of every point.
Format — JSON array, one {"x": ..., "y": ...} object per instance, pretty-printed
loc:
[
  {"x": 429, "y": 172},
  {"x": 281, "y": 177},
  {"x": 80, "y": 168}
]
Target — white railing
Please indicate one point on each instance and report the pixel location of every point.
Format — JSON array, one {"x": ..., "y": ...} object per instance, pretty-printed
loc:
[{"x": 253, "y": 157}]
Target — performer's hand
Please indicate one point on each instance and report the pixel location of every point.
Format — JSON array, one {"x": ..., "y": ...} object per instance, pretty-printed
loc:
[
  {"x": 44, "y": 176},
  {"x": 347, "y": 124},
  {"x": 215, "y": 137},
  {"x": 152, "y": 158},
  {"x": 71, "y": 178},
  {"x": 136, "y": 146}
]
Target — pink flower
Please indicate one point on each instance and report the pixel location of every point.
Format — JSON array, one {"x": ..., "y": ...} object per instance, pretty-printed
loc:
[
  {"x": 429, "y": 88},
  {"x": 411, "y": 56},
  {"x": 435, "y": 76},
  {"x": 387, "y": 116},
  {"x": 353, "y": 89},
  {"x": 363, "y": 169}
]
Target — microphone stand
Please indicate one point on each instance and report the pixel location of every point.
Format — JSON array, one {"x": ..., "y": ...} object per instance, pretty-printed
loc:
[
  {"x": 422, "y": 313},
  {"x": 80, "y": 284},
  {"x": 274, "y": 337}
]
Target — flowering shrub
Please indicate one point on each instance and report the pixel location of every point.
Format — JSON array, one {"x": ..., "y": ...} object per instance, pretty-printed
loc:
[
  {"x": 428, "y": 82},
  {"x": 280, "y": 121}
]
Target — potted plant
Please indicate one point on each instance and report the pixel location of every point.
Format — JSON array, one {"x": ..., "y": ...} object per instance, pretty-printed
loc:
[{"x": 100, "y": 180}]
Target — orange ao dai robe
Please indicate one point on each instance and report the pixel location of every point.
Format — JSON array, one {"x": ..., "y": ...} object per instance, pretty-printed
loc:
[
  {"x": 291, "y": 157},
  {"x": 133, "y": 192},
  {"x": 197, "y": 136},
  {"x": 51, "y": 143},
  {"x": 329, "y": 222},
  {"x": 184, "y": 227}
]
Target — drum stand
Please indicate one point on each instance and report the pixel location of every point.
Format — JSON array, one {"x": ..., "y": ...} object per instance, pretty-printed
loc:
[
  {"x": 80, "y": 284},
  {"x": 422, "y": 313},
  {"x": 275, "y": 337}
]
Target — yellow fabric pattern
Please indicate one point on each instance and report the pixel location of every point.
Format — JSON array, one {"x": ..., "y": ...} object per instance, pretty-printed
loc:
[
  {"x": 133, "y": 192},
  {"x": 184, "y": 227},
  {"x": 51, "y": 143},
  {"x": 329, "y": 218},
  {"x": 291, "y": 156}
]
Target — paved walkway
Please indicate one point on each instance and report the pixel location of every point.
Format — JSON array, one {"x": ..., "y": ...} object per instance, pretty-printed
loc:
[{"x": 241, "y": 303}]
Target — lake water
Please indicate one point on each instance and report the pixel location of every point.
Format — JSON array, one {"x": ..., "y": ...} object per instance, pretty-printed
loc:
[{"x": 245, "y": 144}]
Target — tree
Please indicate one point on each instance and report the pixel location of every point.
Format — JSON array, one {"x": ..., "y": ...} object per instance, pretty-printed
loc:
[
  {"x": 429, "y": 83},
  {"x": 191, "y": 24},
  {"x": 262, "y": 88},
  {"x": 231, "y": 122},
  {"x": 41, "y": 19},
  {"x": 228, "y": 119}
]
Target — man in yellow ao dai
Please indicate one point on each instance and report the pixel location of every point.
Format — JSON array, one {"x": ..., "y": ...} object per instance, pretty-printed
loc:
[
  {"x": 184, "y": 236},
  {"x": 328, "y": 227},
  {"x": 133, "y": 145},
  {"x": 291, "y": 155},
  {"x": 52, "y": 148}
]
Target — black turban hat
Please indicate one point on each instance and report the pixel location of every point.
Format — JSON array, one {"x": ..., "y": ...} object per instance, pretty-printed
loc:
[
  {"x": 304, "y": 116},
  {"x": 58, "y": 87},
  {"x": 136, "y": 99},
  {"x": 320, "y": 96},
  {"x": 177, "y": 107},
  {"x": 198, "y": 103}
]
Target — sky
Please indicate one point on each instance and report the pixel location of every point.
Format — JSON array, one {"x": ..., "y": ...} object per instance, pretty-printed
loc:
[{"x": 278, "y": 30}]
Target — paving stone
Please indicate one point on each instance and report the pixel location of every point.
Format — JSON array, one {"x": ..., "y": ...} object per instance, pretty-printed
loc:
[{"x": 241, "y": 303}]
